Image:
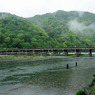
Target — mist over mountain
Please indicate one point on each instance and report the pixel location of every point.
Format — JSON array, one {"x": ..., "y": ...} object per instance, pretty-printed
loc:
[
  {"x": 85, "y": 18},
  {"x": 81, "y": 24},
  {"x": 58, "y": 29},
  {"x": 4, "y": 14}
]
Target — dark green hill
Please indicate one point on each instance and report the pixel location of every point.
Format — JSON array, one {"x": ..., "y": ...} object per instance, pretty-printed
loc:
[
  {"x": 75, "y": 27},
  {"x": 17, "y": 32},
  {"x": 58, "y": 29},
  {"x": 84, "y": 17}
]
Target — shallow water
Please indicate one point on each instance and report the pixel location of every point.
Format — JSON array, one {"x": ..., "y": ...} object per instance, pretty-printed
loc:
[{"x": 47, "y": 76}]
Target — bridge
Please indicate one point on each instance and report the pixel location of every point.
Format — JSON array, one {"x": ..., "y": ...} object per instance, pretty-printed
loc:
[{"x": 64, "y": 50}]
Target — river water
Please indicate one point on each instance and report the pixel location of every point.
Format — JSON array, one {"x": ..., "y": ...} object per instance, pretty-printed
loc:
[{"x": 47, "y": 76}]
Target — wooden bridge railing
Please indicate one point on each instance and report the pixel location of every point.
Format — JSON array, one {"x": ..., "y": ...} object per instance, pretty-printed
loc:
[{"x": 46, "y": 50}]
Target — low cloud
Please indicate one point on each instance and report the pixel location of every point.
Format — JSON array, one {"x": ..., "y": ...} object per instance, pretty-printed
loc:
[
  {"x": 80, "y": 13},
  {"x": 78, "y": 27}
]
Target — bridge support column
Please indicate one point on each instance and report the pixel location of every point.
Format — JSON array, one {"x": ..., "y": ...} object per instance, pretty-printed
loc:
[
  {"x": 18, "y": 52},
  {"x": 47, "y": 52},
  {"x": 90, "y": 52},
  {"x": 6, "y": 52},
  {"x": 0, "y": 53},
  {"x": 33, "y": 51},
  {"x": 77, "y": 52},
  {"x": 65, "y": 52}
]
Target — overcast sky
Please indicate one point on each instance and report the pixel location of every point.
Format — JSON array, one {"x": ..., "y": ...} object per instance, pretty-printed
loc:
[{"x": 29, "y": 8}]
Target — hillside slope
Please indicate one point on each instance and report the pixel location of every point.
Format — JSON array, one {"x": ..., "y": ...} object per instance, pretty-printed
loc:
[
  {"x": 17, "y": 32},
  {"x": 58, "y": 29},
  {"x": 79, "y": 27}
]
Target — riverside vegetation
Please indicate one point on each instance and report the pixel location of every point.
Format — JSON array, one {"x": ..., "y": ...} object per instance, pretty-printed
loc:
[
  {"x": 89, "y": 90},
  {"x": 58, "y": 29}
]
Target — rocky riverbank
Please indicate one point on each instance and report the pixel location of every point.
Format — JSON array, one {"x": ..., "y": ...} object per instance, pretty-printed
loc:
[{"x": 90, "y": 90}]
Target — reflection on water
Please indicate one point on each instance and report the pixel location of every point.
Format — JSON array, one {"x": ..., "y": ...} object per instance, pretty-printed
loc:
[{"x": 45, "y": 76}]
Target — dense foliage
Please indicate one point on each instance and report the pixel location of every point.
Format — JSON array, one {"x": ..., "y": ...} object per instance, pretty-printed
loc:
[
  {"x": 58, "y": 29},
  {"x": 16, "y": 32},
  {"x": 68, "y": 28}
]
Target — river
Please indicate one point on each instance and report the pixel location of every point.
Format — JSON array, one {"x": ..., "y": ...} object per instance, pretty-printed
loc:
[{"x": 46, "y": 76}]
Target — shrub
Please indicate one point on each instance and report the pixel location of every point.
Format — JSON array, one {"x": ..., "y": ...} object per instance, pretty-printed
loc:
[
  {"x": 91, "y": 84},
  {"x": 81, "y": 92}
]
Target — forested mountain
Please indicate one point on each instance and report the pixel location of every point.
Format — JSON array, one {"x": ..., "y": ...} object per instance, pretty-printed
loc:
[
  {"x": 58, "y": 29},
  {"x": 17, "y": 32},
  {"x": 75, "y": 27},
  {"x": 85, "y": 17}
]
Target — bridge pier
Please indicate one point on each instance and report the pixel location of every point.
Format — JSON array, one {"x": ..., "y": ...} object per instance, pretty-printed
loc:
[
  {"x": 77, "y": 52},
  {"x": 33, "y": 51},
  {"x": 90, "y": 52},
  {"x": 65, "y": 52}
]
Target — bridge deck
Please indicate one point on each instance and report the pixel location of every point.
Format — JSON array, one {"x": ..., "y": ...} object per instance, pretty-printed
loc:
[{"x": 40, "y": 49}]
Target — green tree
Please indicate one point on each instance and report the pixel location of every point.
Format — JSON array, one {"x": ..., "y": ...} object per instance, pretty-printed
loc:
[{"x": 17, "y": 43}]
